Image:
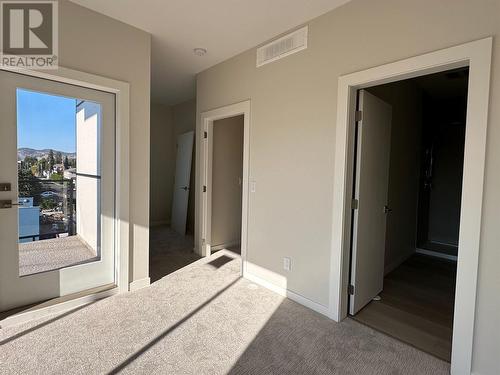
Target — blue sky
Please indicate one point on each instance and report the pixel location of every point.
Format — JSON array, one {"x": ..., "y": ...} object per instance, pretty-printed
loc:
[{"x": 45, "y": 121}]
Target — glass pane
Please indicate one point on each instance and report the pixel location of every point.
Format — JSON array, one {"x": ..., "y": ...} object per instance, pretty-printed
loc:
[{"x": 58, "y": 181}]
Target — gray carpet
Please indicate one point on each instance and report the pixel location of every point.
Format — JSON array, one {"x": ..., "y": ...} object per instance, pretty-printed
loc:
[
  {"x": 204, "y": 319},
  {"x": 169, "y": 252}
]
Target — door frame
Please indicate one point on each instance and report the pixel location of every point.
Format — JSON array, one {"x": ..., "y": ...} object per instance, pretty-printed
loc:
[
  {"x": 121, "y": 90},
  {"x": 207, "y": 124},
  {"x": 477, "y": 56}
]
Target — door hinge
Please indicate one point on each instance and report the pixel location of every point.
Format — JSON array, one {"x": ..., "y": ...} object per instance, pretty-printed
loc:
[
  {"x": 204, "y": 188},
  {"x": 358, "y": 116},
  {"x": 205, "y": 135},
  {"x": 354, "y": 204},
  {"x": 351, "y": 289}
]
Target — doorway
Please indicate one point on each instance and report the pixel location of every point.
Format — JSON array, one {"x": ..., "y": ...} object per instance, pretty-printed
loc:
[
  {"x": 476, "y": 55},
  {"x": 227, "y": 183},
  {"x": 224, "y": 166},
  {"x": 57, "y": 206},
  {"x": 171, "y": 240},
  {"x": 408, "y": 181}
]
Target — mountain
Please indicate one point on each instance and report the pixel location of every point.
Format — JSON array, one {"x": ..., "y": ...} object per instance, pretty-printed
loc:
[{"x": 39, "y": 154}]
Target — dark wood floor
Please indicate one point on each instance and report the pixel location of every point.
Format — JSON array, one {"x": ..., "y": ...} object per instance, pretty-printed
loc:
[{"x": 417, "y": 305}]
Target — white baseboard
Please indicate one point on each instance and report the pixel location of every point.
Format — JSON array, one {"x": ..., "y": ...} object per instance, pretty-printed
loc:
[
  {"x": 58, "y": 308},
  {"x": 224, "y": 245},
  {"x": 287, "y": 293},
  {"x": 139, "y": 284},
  {"x": 437, "y": 254}
]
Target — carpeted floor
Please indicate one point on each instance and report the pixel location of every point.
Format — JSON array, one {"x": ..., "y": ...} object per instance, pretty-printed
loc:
[
  {"x": 204, "y": 319},
  {"x": 169, "y": 252}
]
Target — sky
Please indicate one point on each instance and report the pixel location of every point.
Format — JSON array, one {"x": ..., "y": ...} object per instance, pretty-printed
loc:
[{"x": 45, "y": 121}]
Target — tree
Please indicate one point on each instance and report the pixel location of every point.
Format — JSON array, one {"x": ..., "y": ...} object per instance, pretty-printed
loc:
[
  {"x": 66, "y": 162},
  {"x": 42, "y": 166},
  {"x": 29, "y": 185},
  {"x": 29, "y": 161},
  {"x": 51, "y": 160},
  {"x": 56, "y": 176},
  {"x": 58, "y": 158}
]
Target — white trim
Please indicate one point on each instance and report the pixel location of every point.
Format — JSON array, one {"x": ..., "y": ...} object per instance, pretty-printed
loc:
[
  {"x": 122, "y": 145},
  {"x": 436, "y": 254},
  {"x": 287, "y": 293},
  {"x": 207, "y": 121},
  {"x": 58, "y": 308},
  {"x": 139, "y": 284},
  {"x": 222, "y": 246},
  {"x": 476, "y": 55}
]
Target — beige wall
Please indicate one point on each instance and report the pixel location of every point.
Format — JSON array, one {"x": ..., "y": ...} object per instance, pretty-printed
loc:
[
  {"x": 227, "y": 174},
  {"x": 167, "y": 123},
  {"x": 404, "y": 171},
  {"x": 292, "y": 137},
  {"x": 162, "y": 164},
  {"x": 97, "y": 44}
]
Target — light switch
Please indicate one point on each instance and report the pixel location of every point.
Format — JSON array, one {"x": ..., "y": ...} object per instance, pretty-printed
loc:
[
  {"x": 287, "y": 264},
  {"x": 253, "y": 186}
]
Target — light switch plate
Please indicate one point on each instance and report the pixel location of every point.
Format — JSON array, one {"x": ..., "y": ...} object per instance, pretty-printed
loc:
[
  {"x": 287, "y": 264},
  {"x": 253, "y": 186}
]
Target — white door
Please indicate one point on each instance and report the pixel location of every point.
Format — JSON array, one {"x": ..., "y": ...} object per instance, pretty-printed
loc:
[
  {"x": 182, "y": 180},
  {"x": 57, "y": 153},
  {"x": 371, "y": 189}
]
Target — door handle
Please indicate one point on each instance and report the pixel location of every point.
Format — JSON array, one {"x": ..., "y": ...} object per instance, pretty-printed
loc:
[
  {"x": 8, "y": 204},
  {"x": 185, "y": 188},
  {"x": 387, "y": 209}
]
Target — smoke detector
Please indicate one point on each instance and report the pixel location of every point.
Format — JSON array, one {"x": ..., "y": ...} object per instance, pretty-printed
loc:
[{"x": 199, "y": 51}]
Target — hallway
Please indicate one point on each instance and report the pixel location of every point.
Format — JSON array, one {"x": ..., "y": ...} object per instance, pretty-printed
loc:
[{"x": 169, "y": 252}]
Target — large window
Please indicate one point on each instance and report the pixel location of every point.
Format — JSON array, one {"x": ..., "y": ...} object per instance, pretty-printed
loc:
[{"x": 59, "y": 160}]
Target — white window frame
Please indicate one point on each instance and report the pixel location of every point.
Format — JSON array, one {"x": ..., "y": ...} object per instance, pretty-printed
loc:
[{"x": 121, "y": 90}]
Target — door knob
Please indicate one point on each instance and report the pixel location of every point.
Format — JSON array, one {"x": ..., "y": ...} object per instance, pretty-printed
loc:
[
  {"x": 8, "y": 204},
  {"x": 185, "y": 188},
  {"x": 387, "y": 209}
]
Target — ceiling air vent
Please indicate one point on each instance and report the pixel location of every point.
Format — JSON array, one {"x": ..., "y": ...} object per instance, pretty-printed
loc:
[{"x": 284, "y": 46}]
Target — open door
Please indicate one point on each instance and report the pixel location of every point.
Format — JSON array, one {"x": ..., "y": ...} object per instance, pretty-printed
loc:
[
  {"x": 371, "y": 190},
  {"x": 182, "y": 179},
  {"x": 57, "y": 204}
]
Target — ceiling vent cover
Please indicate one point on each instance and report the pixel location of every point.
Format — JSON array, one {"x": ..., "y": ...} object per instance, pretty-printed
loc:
[{"x": 284, "y": 46}]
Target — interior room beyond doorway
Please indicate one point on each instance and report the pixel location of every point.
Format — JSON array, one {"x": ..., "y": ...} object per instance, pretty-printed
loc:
[
  {"x": 415, "y": 302},
  {"x": 227, "y": 179}
]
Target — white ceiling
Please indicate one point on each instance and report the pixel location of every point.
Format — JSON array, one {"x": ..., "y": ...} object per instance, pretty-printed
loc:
[{"x": 224, "y": 27}]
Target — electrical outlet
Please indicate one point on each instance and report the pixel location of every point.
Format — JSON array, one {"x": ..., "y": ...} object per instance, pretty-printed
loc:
[{"x": 287, "y": 264}]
